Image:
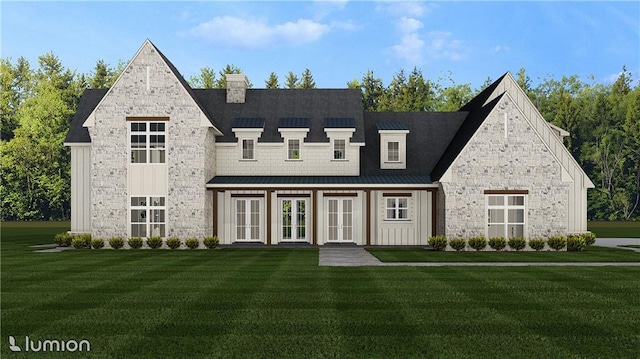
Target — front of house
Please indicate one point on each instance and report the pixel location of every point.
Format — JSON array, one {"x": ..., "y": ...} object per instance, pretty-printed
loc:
[{"x": 153, "y": 157}]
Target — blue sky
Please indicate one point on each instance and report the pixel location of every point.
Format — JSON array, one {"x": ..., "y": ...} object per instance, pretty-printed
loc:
[{"x": 337, "y": 40}]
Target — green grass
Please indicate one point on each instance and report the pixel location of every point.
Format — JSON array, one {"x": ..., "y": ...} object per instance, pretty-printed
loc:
[
  {"x": 615, "y": 229},
  {"x": 278, "y": 303},
  {"x": 629, "y": 245},
  {"x": 590, "y": 254}
]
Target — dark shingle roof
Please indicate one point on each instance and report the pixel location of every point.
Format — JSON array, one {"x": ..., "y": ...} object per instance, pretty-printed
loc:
[
  {"x": 320, "y": 180},
  {"x": 428, "y": 137},
  {"x": 394, "y": 126},
  {"x": 339, "y": 123},
  {"x": 274, "y": 104},
  {"x": 88, "y": 101},
  {"x": 293, "y": 122},
  {"x": 248, "y": 123}
]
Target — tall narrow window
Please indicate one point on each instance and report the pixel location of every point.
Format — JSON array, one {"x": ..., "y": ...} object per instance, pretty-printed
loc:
[
  {"x": 147, "y": 141},
  {"x": 247, "y": 149},
  {"x": 339, "y": 149},
  {"x": 293, "y": 149},
  {"x": 393, "y": 151}
]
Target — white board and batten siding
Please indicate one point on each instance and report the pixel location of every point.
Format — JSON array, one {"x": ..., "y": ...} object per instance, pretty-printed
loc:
[
  {"x": 414, "y": 231},
  {"x": 81, "y": 189}
]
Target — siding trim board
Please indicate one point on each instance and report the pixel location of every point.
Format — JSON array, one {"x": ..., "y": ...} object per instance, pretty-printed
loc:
[
  {"x": 512, "y": 191},
  {"x": 146, "y": 119}
]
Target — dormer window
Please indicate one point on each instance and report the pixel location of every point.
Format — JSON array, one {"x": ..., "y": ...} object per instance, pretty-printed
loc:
[
  {"x": 293, "y": 149},
  {"x": 248, "y": 149},
  {"x": 393, "y": 145}
]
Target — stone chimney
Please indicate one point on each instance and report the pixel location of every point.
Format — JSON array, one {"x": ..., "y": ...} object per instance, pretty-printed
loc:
[{"x": 236, "y": 87}]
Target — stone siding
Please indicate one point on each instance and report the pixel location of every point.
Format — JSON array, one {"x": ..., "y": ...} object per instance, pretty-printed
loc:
[{"x": 492, "y": 162}]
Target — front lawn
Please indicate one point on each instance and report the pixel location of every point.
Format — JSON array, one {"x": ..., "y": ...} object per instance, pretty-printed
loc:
[
  {"x": 277, "y": 303},
  {"x": 590, "y": 254}
]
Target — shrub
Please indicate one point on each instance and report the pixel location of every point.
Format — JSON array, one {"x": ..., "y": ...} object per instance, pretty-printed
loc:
[
  {"x": 85, "y": 238},
  {"x": 438, "y": 243},
  {"x": 135, "y": 242},
  {"x": 78, "y": 242},
  {"x": 211, "y": 242},
  {"x": 97, "y": 243},
  {"x": 498, "y": 243},
  {"x": 589, "y": 238},
  {"x": 575, "y": 243},
  {"x": 557, "y": 242},
  {"x": 517, "y": 243},
  {"x": 478, "y": 243},
  {"x": 192, "y": 243},
  {"x": 174, "y": 242},
  {"x": 63, "y": 239},
  {"x": 536, "y": 244},
  {"x": 116, "y": 242},
  {"x": 458, "y": 243},
  {"x": 154, "y": 242}
]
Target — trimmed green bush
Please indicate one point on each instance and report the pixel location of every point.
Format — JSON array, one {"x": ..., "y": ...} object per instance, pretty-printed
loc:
[
  {"x": 589, "y": 238},
  {"x": 458, "y": 243},
  {"x": 517, "y": 243},
  {"x": 116, "y": 242},
  {"x": 85, "y": 238},
  {"x": 63, "y": 239},
  {"x": 174, "y": 242},
  {"x": 498, "y": 243},
  {"x": 135, "y": 242},
  {"x": 536, "y": 244},
  {"x": 154, "y": 242},
  {"x": 557, "y": 242},
  {"x": 192, "y": 243},
  {"x": 575, "y": 243},
  {"x": 97, "y": 243},
  {"x": 211, "y": 242},
  {"x": 78, "y": 243},
  {"x": 438, "y": 243},
  {"x": 478, "y": 243}
]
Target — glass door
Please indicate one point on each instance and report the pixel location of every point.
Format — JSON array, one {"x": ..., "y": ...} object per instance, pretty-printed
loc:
[
  {"x": 294, "y": 220},
  {"x": 340, "y": 219},
  {"x": 248, "y": 218}
]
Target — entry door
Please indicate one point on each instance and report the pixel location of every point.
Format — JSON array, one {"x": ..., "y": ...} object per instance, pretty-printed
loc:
[
  {"x": 248, "y": 216},
  {"x": 294, "y": 219},
  {"x": 340, "y": 219}
]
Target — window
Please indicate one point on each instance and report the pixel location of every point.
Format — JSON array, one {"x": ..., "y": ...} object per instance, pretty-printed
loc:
[
  {"x": 397, "y": 208},
  {"x": 506, "y": 216},
  {"x": 293, "y": 149},
  {"x": 147, "y": 142},
  {"x": 148, "y": 216},
  {"x": 247, "y": 149},
  {"x": 339, "y": 149},
  {"x": 393, "y": 151}
]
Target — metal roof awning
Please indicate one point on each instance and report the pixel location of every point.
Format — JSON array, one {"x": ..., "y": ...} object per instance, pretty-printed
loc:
[{"x": 381, "y": 181}]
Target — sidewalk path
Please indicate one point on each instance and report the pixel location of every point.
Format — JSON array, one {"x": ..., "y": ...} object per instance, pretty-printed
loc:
[{"x": 615, "y": 242}]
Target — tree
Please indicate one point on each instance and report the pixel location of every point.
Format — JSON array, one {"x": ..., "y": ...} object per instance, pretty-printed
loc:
[
  {"x": 272, "y": 82},
  {"x": 15, "y": 87},
  {"x": 102, "y": 76},
  {"x": 372, "y": 92},
  {"x": 291, "y": 81},
  {"x": 306, "y": 81},
  {"x": 206, "y": 79},
  {"x": 453, "y": 97},
  {"x": 221, "y": 82}
]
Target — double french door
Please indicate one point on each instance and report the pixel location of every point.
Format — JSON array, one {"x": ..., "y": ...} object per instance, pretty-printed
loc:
[
  {"x": 293, "y": 226},
  {"x": 248, "y": 219},
  {"x": 340, "y": 219}
]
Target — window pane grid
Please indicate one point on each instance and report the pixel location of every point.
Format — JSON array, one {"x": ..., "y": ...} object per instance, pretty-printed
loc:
[
  {"x": 247, "y": 149},
  {"x": 293, "y": 150},
  {"x": 397, "y": 208},
  {"x": 339, "y": 149},
  {"x": 393, "y": 151},
  {"x": 148, "y": 216},
  {"x": 148, "y": 144},
  {"x": 506, "y": 216}
]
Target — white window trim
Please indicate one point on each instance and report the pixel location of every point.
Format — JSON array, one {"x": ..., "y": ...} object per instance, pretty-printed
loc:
[
  {"x": 505, "y": 207},
  {"x": 148, "y": 207},
  {"x": 294, "y": 220},
  {"x": 396, "y": 209},
  {"x": 253, "y": 149},
  {"x": 287, "y": 146},
  {"x": 344, "y": 149},
  {"x": 147, "y": 133},
  {"x": 393, "y": 136},
  {"x": 261, "y": 228}
]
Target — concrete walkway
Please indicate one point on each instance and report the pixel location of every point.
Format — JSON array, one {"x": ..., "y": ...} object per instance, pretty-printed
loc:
[
  {"x": 616, "y": 242},
  {"x": 358, "y": 257}
]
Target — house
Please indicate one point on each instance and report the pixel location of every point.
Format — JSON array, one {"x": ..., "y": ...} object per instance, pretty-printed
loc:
[{"x": 153, "y": 157}]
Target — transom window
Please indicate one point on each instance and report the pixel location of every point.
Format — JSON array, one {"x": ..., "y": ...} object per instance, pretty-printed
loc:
[
  {"x": 293, "y": 149},
  {"x": 393, "y": 151},
  {"x": 248, "y": 149},
  {"x": 339, "y": 149},
  {"x": 397, "y": 208},
  {"x": 506, "y": 216},
  {"x": 147, "y": 141},
  {"x": 148, "y": 216}
]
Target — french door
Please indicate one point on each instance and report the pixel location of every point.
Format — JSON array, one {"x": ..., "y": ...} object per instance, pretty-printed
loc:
[
  {"x": 340, "y": 219},
  {"x": 248, "y": 218},
  {"x": 294, "y": 219}
]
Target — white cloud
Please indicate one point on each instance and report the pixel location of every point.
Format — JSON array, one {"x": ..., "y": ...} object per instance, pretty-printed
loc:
[
  {"x": 254, "y": 33},
  {"x": 408, "y": 24},
  {"x": 441, "y": 44},
  {"x": 398, "y": 9},
  {"x": 410, "y": 48},
  {"x": 500, "y": 48}
]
